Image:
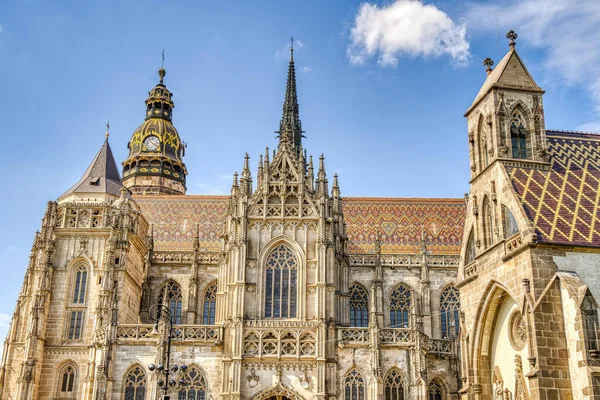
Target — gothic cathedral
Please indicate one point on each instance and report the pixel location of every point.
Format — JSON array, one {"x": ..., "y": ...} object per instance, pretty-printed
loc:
[{"x": 285, "y": 290}]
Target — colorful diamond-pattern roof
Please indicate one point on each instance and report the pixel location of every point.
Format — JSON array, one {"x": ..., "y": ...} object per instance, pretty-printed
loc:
[
  {"x": 174, "y": 219},
  {"x": 400, "y": 223},
  {"x": 563, "y": 202}
]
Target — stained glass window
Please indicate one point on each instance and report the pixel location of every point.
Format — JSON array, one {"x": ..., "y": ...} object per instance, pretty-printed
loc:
[
  {"x": 359, "y": 306},
  {"x": 510, "y": 223},
  {"x": 399, "y": 307},
  {"x": 170, "y": 296},
  {"x": 449, "y": 310},
  {"x": 394, "y": 385},
  {"x": 67, "y": 382},
  {"x": 518, "y": 136},
  {"x": 435, "y": 391},
  {"x": 281, "y": 283},
  {"x": 135, "y": 384},
  {"x": 192, "y": 386},
  {"x": 76, "y": 309},
  {"x": 354, "y": 386},
  {"x": 210, "y": 302}
]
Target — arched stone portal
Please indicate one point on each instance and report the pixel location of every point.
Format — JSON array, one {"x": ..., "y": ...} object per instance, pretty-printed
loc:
[{"x": 278, "y": 392}]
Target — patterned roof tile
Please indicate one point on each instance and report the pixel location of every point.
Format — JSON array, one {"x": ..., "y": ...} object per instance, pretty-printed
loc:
[{"x": 563, "y": 203}]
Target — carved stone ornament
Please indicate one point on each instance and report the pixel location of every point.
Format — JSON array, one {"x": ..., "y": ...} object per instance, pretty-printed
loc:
[
  {"x": 253, "y": 379},
  {"x": 517, "y": 331}
]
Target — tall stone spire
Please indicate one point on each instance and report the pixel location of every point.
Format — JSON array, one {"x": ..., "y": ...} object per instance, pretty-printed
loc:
[{"x": 290, "y": 121}]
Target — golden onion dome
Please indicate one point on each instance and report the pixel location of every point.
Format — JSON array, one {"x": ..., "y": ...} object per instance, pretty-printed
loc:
[{"x": 156, "y": 139}]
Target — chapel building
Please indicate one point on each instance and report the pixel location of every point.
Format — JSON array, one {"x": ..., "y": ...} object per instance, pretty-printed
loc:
[{"x": 286, "y": 290}]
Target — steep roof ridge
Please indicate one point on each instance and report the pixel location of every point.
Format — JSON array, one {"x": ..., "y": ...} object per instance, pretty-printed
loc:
[{"x": 101, "y": 176}]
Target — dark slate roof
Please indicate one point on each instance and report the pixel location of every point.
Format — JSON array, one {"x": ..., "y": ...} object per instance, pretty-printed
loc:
[
  {"x": 102, "y": 176},
  {"x": 563, "y": 203}
]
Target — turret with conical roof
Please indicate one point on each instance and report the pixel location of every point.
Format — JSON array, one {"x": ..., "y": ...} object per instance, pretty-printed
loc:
[
  {"x": 155, "y": 162},
  {"x": 100, "y": 181}
]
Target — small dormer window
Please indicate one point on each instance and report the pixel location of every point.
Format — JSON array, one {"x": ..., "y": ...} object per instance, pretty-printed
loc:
[
  {"x": 95, "y": 182},
  {"x": 518, "y": 136}
]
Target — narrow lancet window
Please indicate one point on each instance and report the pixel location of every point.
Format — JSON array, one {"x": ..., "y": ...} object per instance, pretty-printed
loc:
[
  {"x": 359, "y": 306},
  {"x": 400, "y": 303},
  {"x": 210, "y": 302},
  {"x": 171, "y": 296},
  {"x": 449, "y": 311}
]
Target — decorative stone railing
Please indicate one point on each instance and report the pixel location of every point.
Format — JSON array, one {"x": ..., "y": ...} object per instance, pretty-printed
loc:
[
  {"x": 209, "y": 334},
  {"x": 404, "y": 260},
  {"x": 353, "y": 336},
  {"x": 279, "y": 343},
  {"x": 396, "y": 336},
  {"x": 441, "y": 346},
  {"x": 184, "y": 257}
]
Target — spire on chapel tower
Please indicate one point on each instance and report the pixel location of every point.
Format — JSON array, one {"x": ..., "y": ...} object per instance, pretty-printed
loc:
[
  {"x": 290, "y": 121},
  {"x": 155, "y": 162}
]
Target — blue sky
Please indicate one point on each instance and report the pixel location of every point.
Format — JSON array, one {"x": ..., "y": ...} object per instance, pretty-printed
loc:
[{"x": 382, "y": 99}]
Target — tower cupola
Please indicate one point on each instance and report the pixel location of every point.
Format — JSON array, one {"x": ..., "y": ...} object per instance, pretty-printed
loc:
[{"x": 155, "y": 162}]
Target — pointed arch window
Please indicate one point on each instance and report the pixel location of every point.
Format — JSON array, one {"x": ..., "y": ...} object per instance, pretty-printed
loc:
[
  {"x": 281, "y": 283},
  {"x": 76, "y": 309},
  {"x": 518, "y": 136},
  {"x": 192, "y": 385},
  {"x": 449, "y": 311},
  {"x": 400, "y": 302},
  {"x": 394, "y": 385},
  {"x": 488, "y": 222},
  {"x": 67, "y": 385},
  {"x": 170, "y": 296},
  {"x": 470, "y": 251},
  {"x": 359, "y": 306},
  {"x": 210, "y": 302},
  {"x": 435, "y": 391},
  {"x": 510, "y": 223},
  {"x": 589, "y": 313},
  {"x": 135, "y": 384},
  {"x": 354, "y": 386}
]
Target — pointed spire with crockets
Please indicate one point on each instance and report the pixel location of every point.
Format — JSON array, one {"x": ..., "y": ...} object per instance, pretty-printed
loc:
[{"x": 290, "y": 121}]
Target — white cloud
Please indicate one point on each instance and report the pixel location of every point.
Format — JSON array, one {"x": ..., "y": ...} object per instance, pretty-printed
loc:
[
  {"x": 306, "y": 69},
  {"x": 406, "y": 28},
  {"x": 566, "y": 30},
  {"x": 4, "y": 321},
  {"x": 0, "y": 28}
]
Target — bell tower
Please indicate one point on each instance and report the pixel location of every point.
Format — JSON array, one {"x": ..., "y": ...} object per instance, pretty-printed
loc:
[{"x": 155, "y": 162}]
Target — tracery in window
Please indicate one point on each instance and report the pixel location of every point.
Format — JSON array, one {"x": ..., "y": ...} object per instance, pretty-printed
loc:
[
  {"x": 394, "y": 385},
  {"x": 67, "y": 385},
  {"x": 359, "y": 306},
  {"x": 590, "y": 319},
  {"x": 281, "y": 283},
  {"x": 435, "y": 391},
  {"x": 510, "y": 223},
  {"x": 470, "y": 251},
  {"x": 518, "y": 136},
  {"x": 210, "y": 302},
  {"x": 192, "y": 385},
  {"x": 354, "y": 386},
  {"x": 170, "y": 296},
  {"x": 400, "y": 302},
  {"x": 76, "y": 309},
  {"x": 135, "y": 384},
  {"x": 80, "y": 285},
  {"x": 488, "y": 221},
  {"x": 449, "y": 310}
]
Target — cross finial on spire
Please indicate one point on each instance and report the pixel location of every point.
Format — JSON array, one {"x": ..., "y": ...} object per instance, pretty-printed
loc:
[
  {"x": 488, "y": 62},
  {"x": 512, "y": 35},
  {"x": 107, "y": 129},
  {"x": 161, "y": 71}
]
